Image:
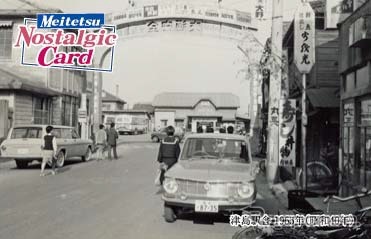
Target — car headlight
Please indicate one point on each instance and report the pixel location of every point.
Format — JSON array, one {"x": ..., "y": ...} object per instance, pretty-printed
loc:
[
  {"x": 170, "y": 185},
  {"x": 246, "y": 190}
]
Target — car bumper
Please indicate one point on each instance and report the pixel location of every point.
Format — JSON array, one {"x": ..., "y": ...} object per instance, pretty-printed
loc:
[
  {"x": 223, "y": 205},
  {"x": 20, "y": 158}
]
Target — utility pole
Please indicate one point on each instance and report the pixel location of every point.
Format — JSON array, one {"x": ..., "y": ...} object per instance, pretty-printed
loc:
[{"x": 274, "y": 91}]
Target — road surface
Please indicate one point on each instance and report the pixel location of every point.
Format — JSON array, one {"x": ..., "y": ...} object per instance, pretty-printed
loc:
[{"x": 102, "y": 199}]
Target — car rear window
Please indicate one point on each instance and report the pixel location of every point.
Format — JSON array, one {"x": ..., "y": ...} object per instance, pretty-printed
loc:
[{"x": 26, "y": 133}]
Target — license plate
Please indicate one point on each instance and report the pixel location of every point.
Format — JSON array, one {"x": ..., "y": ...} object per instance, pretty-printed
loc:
[
  {"x": 206, "y": 206},
  {"x": 22, "y": 151}
]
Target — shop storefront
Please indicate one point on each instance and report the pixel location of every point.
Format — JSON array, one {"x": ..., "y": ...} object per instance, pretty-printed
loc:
[
  {"x": 355, "y": 78},
  {"x": 190, "y": 111}
]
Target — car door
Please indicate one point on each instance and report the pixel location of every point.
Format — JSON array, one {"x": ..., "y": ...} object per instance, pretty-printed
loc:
[
  {"x": 68, "y": 142},
  {"x": 80, "y": 145},
  {"x": 57, "y": 132}
]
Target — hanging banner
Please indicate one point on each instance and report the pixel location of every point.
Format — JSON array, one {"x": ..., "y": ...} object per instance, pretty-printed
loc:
[
  {"x": 287, "y": 129},
  {"x": 337, "y": 11},
  {"x": 304, "y": 41}
]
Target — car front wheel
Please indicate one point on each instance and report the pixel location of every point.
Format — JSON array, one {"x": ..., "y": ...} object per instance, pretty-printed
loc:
[
  {"x": 60, "y": 159},
  {"x": 87, "y": 155},
  {"x": 169, "y": 214},
  {"x": 21, "y": 164}
]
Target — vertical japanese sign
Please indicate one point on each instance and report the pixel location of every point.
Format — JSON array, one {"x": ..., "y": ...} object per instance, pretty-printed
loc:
[
  {"x": 337, "y": 11},
  {"x": 304, "y": 41},
  {"x": 287, "y": 135},
  {"x": 348, "y": 114},
  {"x": 260, "y": 9}
]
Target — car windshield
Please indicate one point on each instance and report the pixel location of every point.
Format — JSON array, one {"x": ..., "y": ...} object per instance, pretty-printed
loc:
[
  {"x": 26, "y": 133},
  {"x": 215, "y": 148}
]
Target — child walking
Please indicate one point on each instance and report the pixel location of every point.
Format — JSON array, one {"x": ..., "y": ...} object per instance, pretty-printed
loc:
[{"x": 49, "y": 149}]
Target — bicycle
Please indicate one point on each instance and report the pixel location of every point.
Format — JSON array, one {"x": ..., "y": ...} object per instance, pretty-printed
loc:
[{"x": 361, "y": 230}]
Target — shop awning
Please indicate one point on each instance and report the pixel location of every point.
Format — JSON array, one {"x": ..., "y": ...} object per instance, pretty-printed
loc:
[
  {"x": 10, "y": 81},
  {"x": 324, "y": 97}
]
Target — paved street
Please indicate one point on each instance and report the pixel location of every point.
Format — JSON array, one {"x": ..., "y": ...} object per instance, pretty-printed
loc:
[{"x": 104, "y": 199}]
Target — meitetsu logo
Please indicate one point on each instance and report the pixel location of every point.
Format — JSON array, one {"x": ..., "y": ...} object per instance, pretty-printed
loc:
[{"x": 66, "y": 40}]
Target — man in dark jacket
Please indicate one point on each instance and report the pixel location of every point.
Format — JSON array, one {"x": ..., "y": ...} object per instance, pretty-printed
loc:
[
  {"x": 112, "y": 137},
  {"x": 169, "y": 151}
]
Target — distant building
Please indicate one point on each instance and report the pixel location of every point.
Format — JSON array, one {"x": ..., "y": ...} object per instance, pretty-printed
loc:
[
  {"x": 191, "y": 110},
  {"x": 111, "y": 102}
]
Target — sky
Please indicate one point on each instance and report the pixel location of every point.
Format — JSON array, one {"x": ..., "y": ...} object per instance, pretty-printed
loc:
[{"x": 150, "y": 65}]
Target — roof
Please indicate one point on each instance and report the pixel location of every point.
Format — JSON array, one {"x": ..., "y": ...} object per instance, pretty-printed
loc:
[
  {"x": 324, "y": 97},
  {"x": 10, "y": 80},
  {"x": 108, "y": 97},
  {"x": 216, "y": 136},
  {"x": 190, "y": 100},
  {"x": 24, "y": 7},
  {"x": 148, "y": 107}
]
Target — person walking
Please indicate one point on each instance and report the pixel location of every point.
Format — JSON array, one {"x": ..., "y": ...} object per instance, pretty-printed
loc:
[
  {"x": 112, "y": 137},
  {"x": 230, "y": 129},
  {"x": 100, "y": 142},
  {"x": 49, "y": 150},
  {"x": 168, "y": 152}
]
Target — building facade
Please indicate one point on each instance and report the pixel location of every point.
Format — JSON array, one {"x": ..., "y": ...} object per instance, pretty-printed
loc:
[
  {"x": 355, "y": 116},
  {"x": 36, "y": 95},
  {"x": 192, "y": 110},
  {"x": 111, "y": 102},
  {"x": 323, "y": 100}
]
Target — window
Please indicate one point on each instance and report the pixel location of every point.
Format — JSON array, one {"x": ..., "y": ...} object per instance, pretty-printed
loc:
[
  {"x": 27, "y": 133},
  {"x": 75, "y": 135},
  {"x": 365, "y": 142},
  {"x": 179, "y": 123},
  {"x": 67, "y": 133},
  {"x": 215, "y": 148},
  {"x": 6, "y": 33},
  {"x": 57, "y": 132},
  {"x": 75, "y": 108},
  {"x": 163, "y": 123}
]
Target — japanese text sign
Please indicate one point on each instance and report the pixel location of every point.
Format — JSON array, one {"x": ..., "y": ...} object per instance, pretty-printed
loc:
[
  {"x": 304, "y": 42},
  {"x": 287, "y": 135},
  {"x": 337, "y": 11}
]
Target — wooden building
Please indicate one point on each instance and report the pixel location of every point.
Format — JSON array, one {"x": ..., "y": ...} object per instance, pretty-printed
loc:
[{"x": 37, "y": 94}]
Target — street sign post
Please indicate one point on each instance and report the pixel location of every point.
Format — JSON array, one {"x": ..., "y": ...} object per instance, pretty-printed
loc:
[{"x": 304, "y": 58}]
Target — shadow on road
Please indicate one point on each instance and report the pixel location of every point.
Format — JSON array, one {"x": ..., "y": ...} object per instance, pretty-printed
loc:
[
  {"x": 37, "y": 166},
  {"x": 208, "y": 219}
]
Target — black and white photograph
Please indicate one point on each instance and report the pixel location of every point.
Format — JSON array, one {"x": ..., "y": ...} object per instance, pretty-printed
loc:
[{"x": 178, "y": 119}]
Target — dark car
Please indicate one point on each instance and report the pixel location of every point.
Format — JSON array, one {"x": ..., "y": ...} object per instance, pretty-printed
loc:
[{"x": 161, "y": 134}]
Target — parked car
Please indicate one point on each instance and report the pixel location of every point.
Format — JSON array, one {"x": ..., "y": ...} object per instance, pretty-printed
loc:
[
  {"x": 23, "y": 144},
  {"x": 214, "y": 174},
  {"x": 161, "y": 134}
]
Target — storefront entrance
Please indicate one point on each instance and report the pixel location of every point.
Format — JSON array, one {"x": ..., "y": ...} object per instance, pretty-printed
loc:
[{"x": 196, "y": 122}]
